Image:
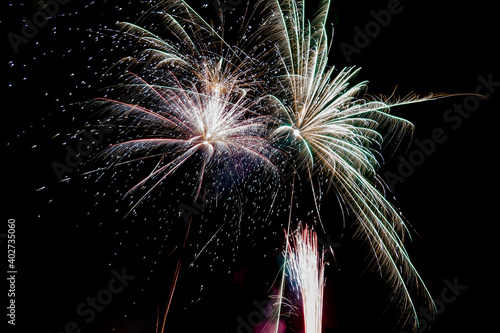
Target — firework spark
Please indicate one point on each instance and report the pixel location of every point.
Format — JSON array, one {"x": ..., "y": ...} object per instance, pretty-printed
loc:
[
  {"x": 196, "y": 98},
  {"x": 192, "y": 100},
  {"x": 306, "y": 269},
  {"x": 341, "y": 133}
]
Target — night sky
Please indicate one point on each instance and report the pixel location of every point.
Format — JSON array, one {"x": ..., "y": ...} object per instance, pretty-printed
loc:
[{"x": 74, "y": 241}]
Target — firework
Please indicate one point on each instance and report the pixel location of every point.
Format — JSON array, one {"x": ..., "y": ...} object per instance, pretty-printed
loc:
[
  {"x": 191, "y": 101},
  {"x": 197, "y": 98},
  {"x": 306, "y": 269},
  {"x": 339, "y": 132}
]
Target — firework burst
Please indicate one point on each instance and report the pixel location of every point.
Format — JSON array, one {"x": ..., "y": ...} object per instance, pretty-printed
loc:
[
  {"x": 191, "y": 100},
  {"x": 307, "y": 270},
  {"x": 339, "y": 132},
  {"x": 198, "y": 99}
]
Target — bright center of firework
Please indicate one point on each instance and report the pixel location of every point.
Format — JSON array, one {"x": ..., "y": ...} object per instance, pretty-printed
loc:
[
  {"x": 208, "y": 137},
  {"x": 217, "y": 88},
  {"x": 296, "y": 132}
]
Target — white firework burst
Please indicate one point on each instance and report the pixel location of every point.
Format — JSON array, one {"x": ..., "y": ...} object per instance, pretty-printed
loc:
[
  {"x": 307, "y": 270},
  {"x": 191, "y": 100},
  {"x": 340, "y": 132}
]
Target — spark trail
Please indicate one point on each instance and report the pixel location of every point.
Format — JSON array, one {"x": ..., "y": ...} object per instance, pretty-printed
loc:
[
  {"x": 339, "y": 132},
  {"x": 306, "y": 268},
  {"x": 196, "y": 98}
]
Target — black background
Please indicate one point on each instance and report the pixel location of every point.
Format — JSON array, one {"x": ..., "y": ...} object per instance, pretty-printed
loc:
[{"x": 65, "y": 254}]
